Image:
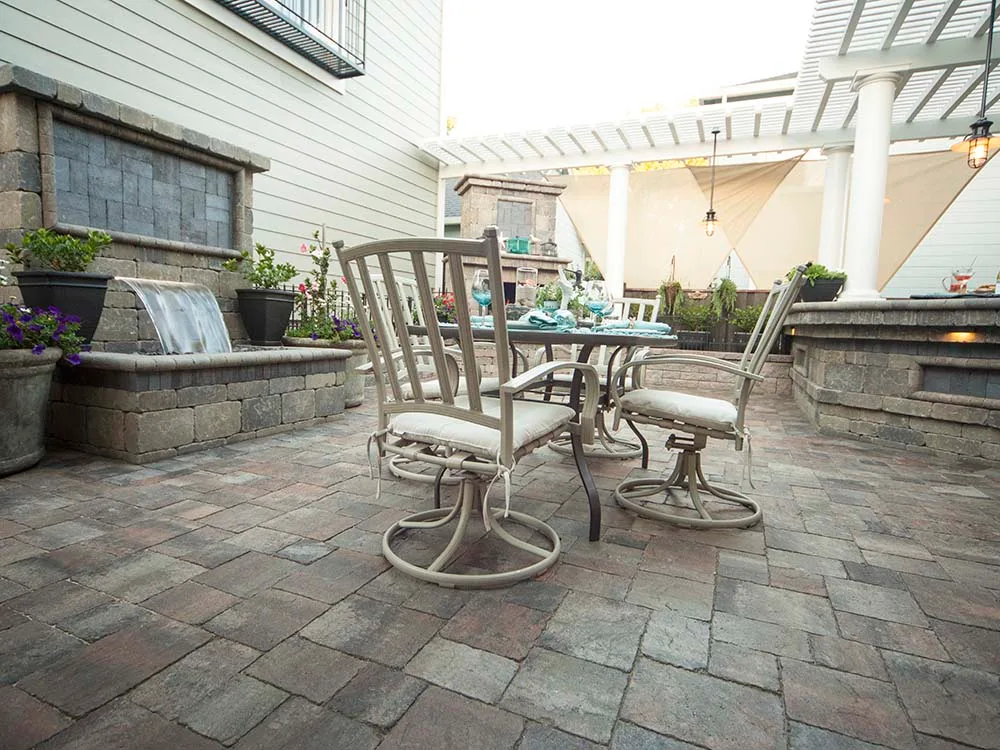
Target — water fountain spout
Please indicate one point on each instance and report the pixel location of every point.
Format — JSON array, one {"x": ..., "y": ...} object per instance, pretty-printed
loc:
[{"x": 186, "y": 316}]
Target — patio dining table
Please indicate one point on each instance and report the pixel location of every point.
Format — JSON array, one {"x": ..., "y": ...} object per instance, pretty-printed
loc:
[{"x": 618, "y": 341}]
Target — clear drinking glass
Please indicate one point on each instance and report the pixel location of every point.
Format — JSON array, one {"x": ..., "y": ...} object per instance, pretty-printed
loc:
[
  {"x": 481, "y": 288},
  {"x": 526, "y": 286},
  {"x": 598, "y": 298}
]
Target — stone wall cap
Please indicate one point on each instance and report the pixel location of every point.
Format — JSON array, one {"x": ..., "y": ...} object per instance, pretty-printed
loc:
[
  {"x": 16, "y": 78},
  {"x": 945, "y": 303},
  {"x": 507, "y": 183},
  {"x": 171, "y": 362}
]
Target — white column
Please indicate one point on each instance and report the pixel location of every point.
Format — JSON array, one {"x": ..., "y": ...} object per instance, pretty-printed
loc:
[
  {"x": 834, "y": 218},
  {"x": 614, "y": 266},
  {"x": 868, "y": 177}
]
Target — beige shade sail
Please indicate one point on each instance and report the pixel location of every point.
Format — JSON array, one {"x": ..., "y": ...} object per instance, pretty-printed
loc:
[
  {"x": 666, "y": 208},
  {"x": 919, "y": 189},
  {"x": 741, "y": 190}
]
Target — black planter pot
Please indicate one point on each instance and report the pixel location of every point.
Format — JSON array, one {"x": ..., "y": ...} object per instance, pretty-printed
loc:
[
  {"x": 742, "y": 338},
  {"x": 822, "y": 290},
  {"x": 693, "y": 339},
  {"x": 265, "y": 314},
  {"x": 80, "y": 294}
]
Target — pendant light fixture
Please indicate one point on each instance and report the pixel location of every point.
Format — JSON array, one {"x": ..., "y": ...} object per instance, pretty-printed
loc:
[
  {"x": 978, "y": 143},
  {"x": 710, "y": 221}
]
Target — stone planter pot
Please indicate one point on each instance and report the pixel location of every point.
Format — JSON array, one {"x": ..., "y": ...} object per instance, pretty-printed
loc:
[
  {"x": 265, "y": 314},
  {"x": 822, "y": 290},
  {"x": 25, "y": 381},
  {"x": 354, "y": 385},
  {"x": 80, "y": 294}
]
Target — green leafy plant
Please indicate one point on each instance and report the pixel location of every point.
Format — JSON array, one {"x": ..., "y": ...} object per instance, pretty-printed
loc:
[
  {"x": 697, "y": 317},
  {"x": 35, "y": 329},
  {"x": 60, "y": 252},
  {"x": 262, "y": 273},
  {"x": 745, "y": 318},
  {"x": 444, "y": 307},
  {"x": 550, "y": 292},
  {"x": 591, "y": 272},
  {"x": 815, "y": 271},
  {"x": 671, "y": 298},
  {"x": 723, "y": 299}
]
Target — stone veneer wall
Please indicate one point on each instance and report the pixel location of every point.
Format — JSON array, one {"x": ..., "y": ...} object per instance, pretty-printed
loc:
[
  {"x": 480, "y": 196},
  {"x": 37, "y": 189},
  {"x": 912, "y": 374},
  {"x": 145, "y": 408}
]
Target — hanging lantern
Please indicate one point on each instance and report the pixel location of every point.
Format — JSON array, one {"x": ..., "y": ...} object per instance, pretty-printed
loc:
[
  {"x": 710, "y": 221},
  {"x": 978, "y": 143}
]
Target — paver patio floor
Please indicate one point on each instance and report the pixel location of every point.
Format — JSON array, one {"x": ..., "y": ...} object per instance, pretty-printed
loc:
[{"x": 238, "y": 597}]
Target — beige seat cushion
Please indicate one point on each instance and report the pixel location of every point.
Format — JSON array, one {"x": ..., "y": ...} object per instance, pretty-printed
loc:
[
  {"x": 703, "y": 411},
  {"x": 532, "y": 420},
  {"x": 432, "y": 388}
]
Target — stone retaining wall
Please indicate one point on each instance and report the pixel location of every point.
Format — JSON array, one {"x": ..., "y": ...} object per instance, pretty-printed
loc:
[
  {"x": 145, "y": 408},
  {"x": 923, "y": 375}
]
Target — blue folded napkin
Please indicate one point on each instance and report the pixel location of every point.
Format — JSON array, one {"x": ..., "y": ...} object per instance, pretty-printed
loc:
[
  {"x": 638, "y": 325},
  {"x": 538, "y": 319}
]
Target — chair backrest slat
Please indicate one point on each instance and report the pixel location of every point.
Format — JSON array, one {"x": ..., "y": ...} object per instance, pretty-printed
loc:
[
  {"x": 400, "y": 320},
  {"x": 426, "y": 314},
  {"x": 772, "y": 319},
  {"x": 643, "y": 303},
  {"x": 465, "y": 341},
  {"x": 377, "y": 324}
]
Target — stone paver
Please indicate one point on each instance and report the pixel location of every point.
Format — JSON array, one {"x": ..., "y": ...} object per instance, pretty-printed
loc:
[
  {"x": 856, "y": 706},
  {"x": 463, "y": 669},
  {"x": 239, "y": 596},
  {"x": 948, "y": 700},
  {"x": 442, "y": 719},
  {"x": 575, "y": 695},
  {"x": 703, "y": 709}
]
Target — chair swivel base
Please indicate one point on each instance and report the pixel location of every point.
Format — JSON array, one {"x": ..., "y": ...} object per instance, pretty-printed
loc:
[
  {"x": 402, "y": 467},
  {"x": 460, "y": 514},
  {"x": 687, "y": 483}
]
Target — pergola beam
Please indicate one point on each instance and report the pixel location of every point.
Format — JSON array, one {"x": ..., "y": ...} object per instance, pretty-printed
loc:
[
  {"x": 910, "y": 58},
  {"x": 943, "y": 17},
  {"x": 924, "y": 129},
  {"x": 902, "y": 11}
]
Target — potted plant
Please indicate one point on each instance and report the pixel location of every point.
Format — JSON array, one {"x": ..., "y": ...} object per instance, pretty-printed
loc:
[
  {"x": 549, "y": 296},
  {"x": 822, "y": 284},
  {"x": 264, "y": 308},
  {"x": 697, "y": 320},
  {"x": 55, "y": 274},
  {"x": 744, "y": 320},
  {"x": 318, "y": 323},
  {"x": 31, "y": 342},
  {"x": 444, "y": 307},
  {"x": 723, "y": 300}
]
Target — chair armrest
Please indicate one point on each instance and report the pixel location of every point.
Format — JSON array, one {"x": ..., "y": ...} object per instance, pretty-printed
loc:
[
  {"x": 591, "y": 391},
  {"x": 693, "y": 359}
]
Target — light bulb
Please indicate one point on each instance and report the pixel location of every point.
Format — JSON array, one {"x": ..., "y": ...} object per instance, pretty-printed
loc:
[{"x": 710, "y": 227}]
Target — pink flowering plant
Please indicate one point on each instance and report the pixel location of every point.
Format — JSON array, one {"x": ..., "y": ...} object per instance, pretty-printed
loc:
[
  {"x": 36, "y": 329},
  {"x": 314, "y": 299}
]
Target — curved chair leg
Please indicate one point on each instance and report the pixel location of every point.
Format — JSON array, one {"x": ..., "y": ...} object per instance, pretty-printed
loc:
[
  {"x": 642, "y": 442},
  {"x": 460, "y": 513},
  {"x": 686, "y": 481},
  {"x": 607, "y": 445}
]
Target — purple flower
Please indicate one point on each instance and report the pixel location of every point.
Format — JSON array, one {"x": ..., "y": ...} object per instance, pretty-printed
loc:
[
  {"x": 55, "y": 336},
  {"x": 7, "y": 317},
  {"x": 85, "y": 348},
  {"x": 38, "y": 348},
  {"x": 36, "y": 328},
  {"x": 72, "y": 319},
  {"x": 73, "y": 359},
  {"x": 27, "y": 318},
  {"x": 314, "y": 335},
  {"x": 15, "y": 333},
  {"x": 54, "y": 310}
]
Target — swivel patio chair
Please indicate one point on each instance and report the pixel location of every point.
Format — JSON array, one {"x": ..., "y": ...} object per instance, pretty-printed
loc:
[
  {"x": 477, "y": 437},
  {"x": 693, "y": 419}
]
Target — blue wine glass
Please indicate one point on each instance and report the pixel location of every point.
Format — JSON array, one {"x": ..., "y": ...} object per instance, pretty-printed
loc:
[{"x": 481, "y": 288}]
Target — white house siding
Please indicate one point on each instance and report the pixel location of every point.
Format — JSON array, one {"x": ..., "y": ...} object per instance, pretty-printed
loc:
[
  {"x": 967, "y": 233},
  {"x": 348, "y": 160}
]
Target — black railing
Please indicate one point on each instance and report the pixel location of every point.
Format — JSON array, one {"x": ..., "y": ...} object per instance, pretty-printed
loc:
[{"x": 330, "y": 33}]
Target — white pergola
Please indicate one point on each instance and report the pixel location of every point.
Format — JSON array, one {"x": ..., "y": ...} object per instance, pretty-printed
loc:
[{"x": 874, "y": 72}]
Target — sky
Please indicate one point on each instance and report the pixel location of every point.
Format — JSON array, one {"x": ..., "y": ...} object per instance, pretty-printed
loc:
[{"x": 517, "y": 64}]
